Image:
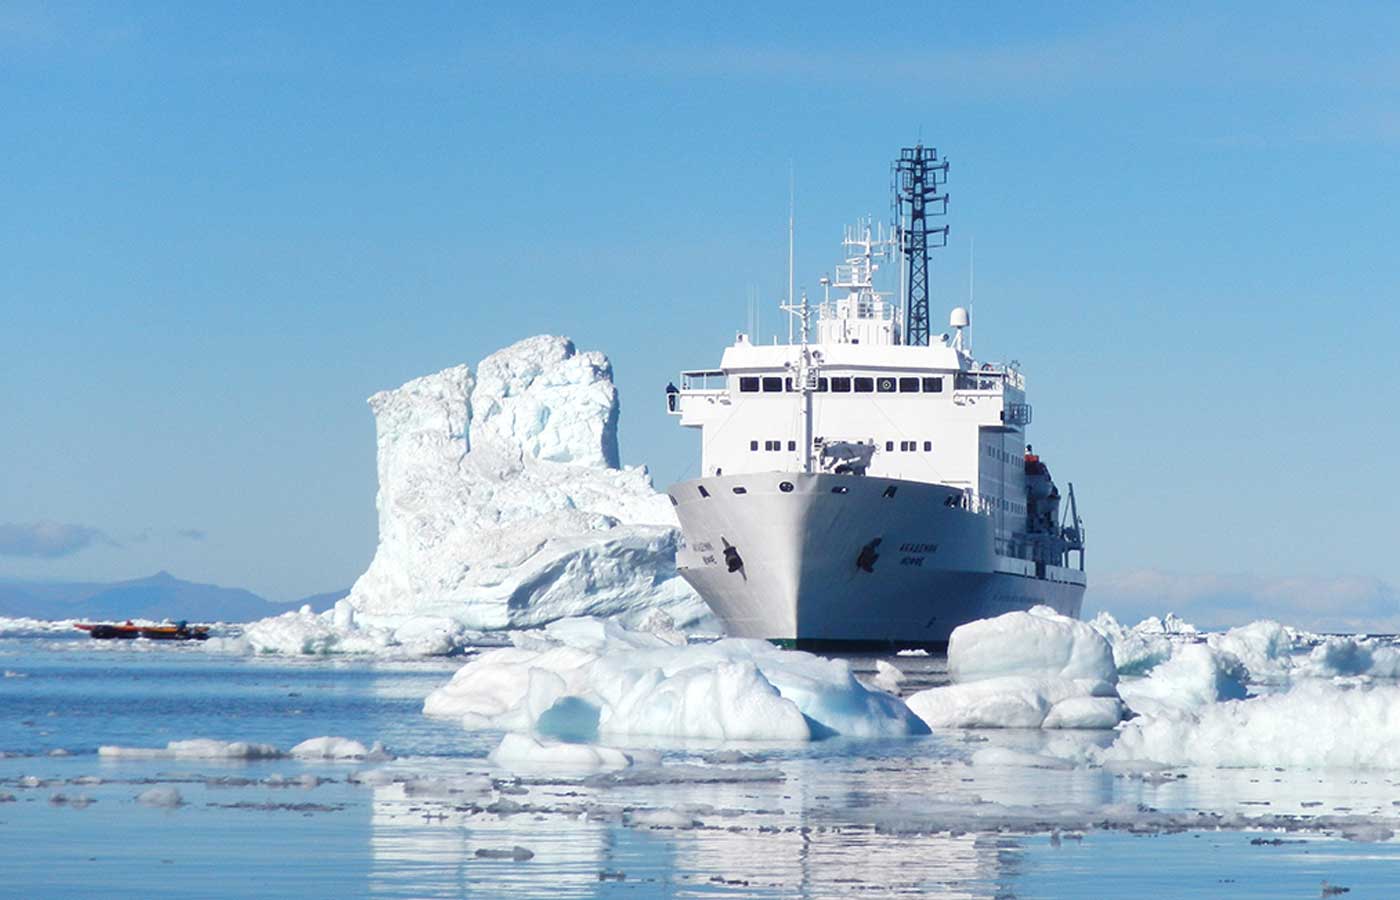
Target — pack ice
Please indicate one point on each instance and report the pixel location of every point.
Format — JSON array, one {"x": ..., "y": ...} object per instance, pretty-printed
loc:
[
  {"x": 1035, "y": 669},
  {"x": 502, "y": 504},
  {"x": 581, "y": 679}
]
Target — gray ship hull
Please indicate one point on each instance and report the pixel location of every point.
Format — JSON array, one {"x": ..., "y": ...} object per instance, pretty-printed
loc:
[{"x": 831, "y": 560}]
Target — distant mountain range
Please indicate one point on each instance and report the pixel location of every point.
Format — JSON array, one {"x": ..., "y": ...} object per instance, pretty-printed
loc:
[{"x": 159, "y": 596}]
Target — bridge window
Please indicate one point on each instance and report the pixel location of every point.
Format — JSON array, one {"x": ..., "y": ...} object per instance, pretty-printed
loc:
[
  {"x": 864, "y": 385},
  {"x": 772, "y": 384},
  {"x": 933, "y": 385},
  {"x": 908, "y": 385},
  {"x": 841, "y": 385},
  {"x": 787, "y": 384},
  {"x": 748, "y": 385},
  {"x": 753, "y": 445},
  {"x": 792, "y": 445},
  {"x": 823, "y": 385},
  {"x": 885, "y": 385},
  {"x": 928, "y": 445}
]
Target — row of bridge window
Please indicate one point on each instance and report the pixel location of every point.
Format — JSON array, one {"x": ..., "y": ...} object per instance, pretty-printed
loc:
[
  {"x": 845, "y": 384},
  {"x": 904, "y": 446}
]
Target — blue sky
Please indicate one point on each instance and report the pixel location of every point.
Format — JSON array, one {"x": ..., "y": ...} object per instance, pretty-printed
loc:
[{"x": 222, "y": 229}]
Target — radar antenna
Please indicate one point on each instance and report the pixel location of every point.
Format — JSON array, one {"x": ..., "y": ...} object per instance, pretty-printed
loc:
[{"x": 918, "y": 174}]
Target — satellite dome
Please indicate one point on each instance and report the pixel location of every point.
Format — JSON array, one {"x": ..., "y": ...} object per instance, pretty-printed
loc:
[{"x": 959, "y": 317}]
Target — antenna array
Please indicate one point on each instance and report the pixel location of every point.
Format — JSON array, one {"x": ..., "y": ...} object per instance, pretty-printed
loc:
[{"x": 918, "y": 174}]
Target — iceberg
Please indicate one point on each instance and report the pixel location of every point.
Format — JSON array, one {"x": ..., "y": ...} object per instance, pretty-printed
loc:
[
  {"x": 579, "y": 679},
  {"x": 502, "y": 505},
  {"x": 1035, "y": 669}
]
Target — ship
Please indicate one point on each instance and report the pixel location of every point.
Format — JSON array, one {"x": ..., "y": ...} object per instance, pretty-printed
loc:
[{"x": 867, "y": 484}]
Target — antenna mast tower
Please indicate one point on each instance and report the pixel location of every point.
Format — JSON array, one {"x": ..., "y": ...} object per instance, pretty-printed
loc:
[{"x": 918, "y": 174}]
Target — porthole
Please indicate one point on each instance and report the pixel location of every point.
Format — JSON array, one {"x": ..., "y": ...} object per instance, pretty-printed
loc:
[
  {"x": 740, "y": 489},
  {"x": 673, "y": 500},
  {"x": 889, "y": 491},
  {"x": 785, "y": 487},
  {"x": 840, "y": 489},
  {"x": 703, "y": 492}
]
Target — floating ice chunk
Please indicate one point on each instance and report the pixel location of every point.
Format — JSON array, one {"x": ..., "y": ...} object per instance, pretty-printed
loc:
[
  {"x": 198, "y": 748},
  {"x": 584, "y": 678},
  {"x": 1350, "y": 656},
  {"x": 660, "y": 818},
  {"x": 1196, "y": 675},
  {"x": 1039, "y": 643},
  {"x": 1136, "y": 650},
  {"x": 339, "y": 748},
  {"x": 24, "y": 627},
  {"x": 1316, "y": 724},
  {"x": 887, "y": 677},
  {"x": 1018, "y": 669},
  {"x": 1005, "y": 756},
  {"x": 1265, "y": 647},
  {"x": 465, "y": 786},
  {"x": 165, "y": 797},
  {"x": 519, "y": 752},
  {"x": 1019, "y": 701},
  {"x": 1085, "y": 712}
]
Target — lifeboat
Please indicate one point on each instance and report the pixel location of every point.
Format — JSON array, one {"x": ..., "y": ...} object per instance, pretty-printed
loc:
[{"x": 179, "y": 631}]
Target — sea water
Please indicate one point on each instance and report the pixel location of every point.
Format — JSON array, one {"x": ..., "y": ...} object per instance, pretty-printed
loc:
[{"x": 833, "y": 818}]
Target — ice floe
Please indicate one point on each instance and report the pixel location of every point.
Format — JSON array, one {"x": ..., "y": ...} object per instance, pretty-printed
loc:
[
  {"x": 327, "y": 747},
  {"x": 165, "y": 797},
  {"x": 1315, "y": 724},
  {"x": 1194, "y": 676},
  {"x": 196, "y": 748},
  {"x": 579, "y": 679},
  {"x": 1035, "y": 669},
  {"x": 331, "y": 747},
  {"x": 519, "y": 752}
]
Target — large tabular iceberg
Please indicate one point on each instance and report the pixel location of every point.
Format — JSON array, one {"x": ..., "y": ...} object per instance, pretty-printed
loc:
[{"x": 502, "y": 503}]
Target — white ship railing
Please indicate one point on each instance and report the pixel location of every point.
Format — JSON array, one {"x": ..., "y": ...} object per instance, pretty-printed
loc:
[
  {"x": 988, "y": 379},
  {"x": 704, "y": 380}
]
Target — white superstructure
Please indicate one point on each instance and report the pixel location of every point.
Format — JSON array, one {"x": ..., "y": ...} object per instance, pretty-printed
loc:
[{"x": 857, "y": 489}]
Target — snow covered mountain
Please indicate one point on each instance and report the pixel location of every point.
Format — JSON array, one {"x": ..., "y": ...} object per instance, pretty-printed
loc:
[{"x": 502, "y": 503}]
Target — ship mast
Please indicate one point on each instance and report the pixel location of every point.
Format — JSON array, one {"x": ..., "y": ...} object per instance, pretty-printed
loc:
[
  {"x": 918, "y": 176},
  {"x": 804, "y": 373}
]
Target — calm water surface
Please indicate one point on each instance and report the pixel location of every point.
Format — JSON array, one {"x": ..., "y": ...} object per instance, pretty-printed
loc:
[{"x": 837, "y": 818}]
